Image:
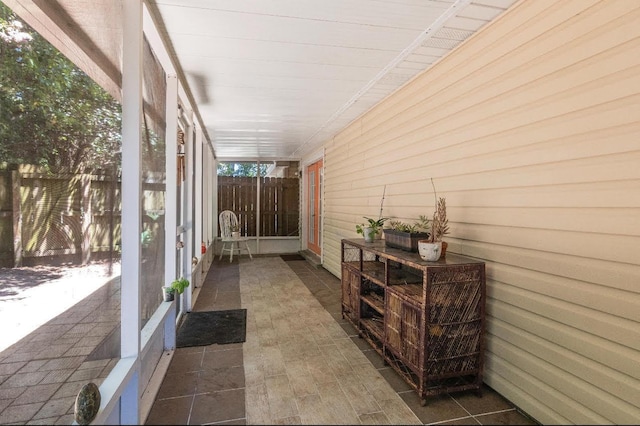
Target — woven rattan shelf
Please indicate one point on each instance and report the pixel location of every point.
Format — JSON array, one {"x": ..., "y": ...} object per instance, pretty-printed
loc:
[
  {"x": 374, "y": 271},
  {"x": 426, "y": 319},
  {"x": 375, "y": 301}
]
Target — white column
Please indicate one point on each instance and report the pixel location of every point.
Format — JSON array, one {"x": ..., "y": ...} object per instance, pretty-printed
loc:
[
  {"x": 171, "y": 164},
  {"x": 258, "y": 210},
  {"x": 206, "y": 172},
  {"x": 214, "y": 201},
  {"x": 131, "y": 202},
  {"x": 170, "y": 205},
  {"x": 213, "y": 195},
  {"x": 197, "y": 192},
  {"x": 188, "y": 211}
]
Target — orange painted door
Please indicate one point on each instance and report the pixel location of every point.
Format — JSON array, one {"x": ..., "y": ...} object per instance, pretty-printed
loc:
[{"x": 314, "y": 208}]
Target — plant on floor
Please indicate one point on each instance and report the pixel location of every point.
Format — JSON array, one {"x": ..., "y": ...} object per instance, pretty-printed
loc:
[{"x": 179, "y": 285}]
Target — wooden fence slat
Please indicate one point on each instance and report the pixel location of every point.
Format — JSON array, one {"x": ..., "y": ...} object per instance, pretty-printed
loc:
[
  {"x": 56, "y": 215},
  {"x": 16, "y": 184},
  {"x": 279, "y": 204}
]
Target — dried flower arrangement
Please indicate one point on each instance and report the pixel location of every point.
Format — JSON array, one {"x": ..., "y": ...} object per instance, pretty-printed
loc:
[{"x": 439, "y": 223}]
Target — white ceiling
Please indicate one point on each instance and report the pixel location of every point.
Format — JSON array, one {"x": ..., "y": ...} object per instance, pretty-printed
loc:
[{"x": 275, "y": 78}]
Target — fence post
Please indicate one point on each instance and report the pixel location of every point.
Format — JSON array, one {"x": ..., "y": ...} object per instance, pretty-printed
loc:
[
  {"x": 87, "y": 217},
  {"x": 16, "y": 183}
]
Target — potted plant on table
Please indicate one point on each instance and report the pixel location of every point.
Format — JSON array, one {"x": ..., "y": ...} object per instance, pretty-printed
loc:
[
  {"x": 405, "y": 236},
  {"x": 432, "y": 248},
  {"x": 371, "y": 229}
]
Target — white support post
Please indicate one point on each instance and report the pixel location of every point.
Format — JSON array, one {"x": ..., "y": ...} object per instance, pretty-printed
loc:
[
  {"x": 130, "y": 400},
  {"x": 171, "y": 164},
  {"x": 197, "y": 190},
  {"x": 258, "y": 211},
  {"x": 131, "y": 202},
  {"x": 170, "y": 203},
  {"x": 212, "y": 196},
  {"x": 188, "y": 219},
  {"x": 206, "y": 220},
  {"x": 214, "y": 201}
]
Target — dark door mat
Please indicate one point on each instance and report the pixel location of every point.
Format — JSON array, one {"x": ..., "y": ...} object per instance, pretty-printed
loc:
[
  {"x": 290, "y": 257},
  {"x": 209, "y": 327}
]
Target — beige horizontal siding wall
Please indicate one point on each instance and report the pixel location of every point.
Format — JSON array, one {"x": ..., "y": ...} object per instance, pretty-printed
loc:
[{"x": 531, "y": 130}]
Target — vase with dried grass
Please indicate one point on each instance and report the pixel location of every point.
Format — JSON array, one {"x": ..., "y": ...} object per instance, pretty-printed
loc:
[{"x": 433, "y": 248}]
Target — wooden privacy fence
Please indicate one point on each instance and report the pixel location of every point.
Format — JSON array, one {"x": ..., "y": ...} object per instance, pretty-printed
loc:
[
  {"x": 279, "y": 207},
  {"x": 64, "y": 216}
]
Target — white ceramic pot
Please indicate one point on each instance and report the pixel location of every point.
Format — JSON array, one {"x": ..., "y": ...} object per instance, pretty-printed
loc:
[
  {"x": 369, "y": 235},
  {"x": 429, "y": 251}
]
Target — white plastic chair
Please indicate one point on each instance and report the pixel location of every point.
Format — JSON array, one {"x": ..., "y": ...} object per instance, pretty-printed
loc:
[{"x": 229, "y": 220}]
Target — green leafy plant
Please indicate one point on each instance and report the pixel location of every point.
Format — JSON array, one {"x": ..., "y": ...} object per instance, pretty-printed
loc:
[
  {"x": 71, "y": 123},
  {"x": 421, "y": 225},
  {"x": 397, "y": 225},
  {"x": 375, "y": 224},
  {"x": 179, "y": 285}
]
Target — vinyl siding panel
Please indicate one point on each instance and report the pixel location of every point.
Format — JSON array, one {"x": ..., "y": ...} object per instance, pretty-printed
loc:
[{"x": 531, "y": 130}]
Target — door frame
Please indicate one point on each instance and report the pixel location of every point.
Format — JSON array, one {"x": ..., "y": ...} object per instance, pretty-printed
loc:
[{"x": 316, "y": 166}]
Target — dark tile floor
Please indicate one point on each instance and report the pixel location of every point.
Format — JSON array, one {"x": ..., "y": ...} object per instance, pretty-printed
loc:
[{"x": 215, "y": 385}]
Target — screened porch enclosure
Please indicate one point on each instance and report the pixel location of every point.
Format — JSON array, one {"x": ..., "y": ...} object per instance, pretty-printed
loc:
[{"x": 524, "y": 112}]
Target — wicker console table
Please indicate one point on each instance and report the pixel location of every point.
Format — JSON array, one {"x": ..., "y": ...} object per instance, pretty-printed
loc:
[{"x": 426, "y": 319}]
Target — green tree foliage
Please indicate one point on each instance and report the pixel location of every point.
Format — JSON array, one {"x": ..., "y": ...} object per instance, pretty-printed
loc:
[
  {"x": 245, "y": 169},
  {"x": 51, "y": 113}
]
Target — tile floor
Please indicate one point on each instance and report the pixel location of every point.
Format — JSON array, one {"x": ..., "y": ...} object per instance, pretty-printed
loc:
[{"x": 301, "y": 362}]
